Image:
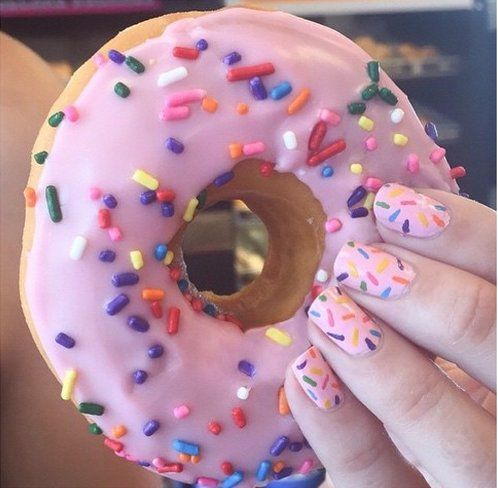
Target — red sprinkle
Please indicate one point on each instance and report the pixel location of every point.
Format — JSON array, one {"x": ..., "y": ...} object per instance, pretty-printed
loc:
[
  {"x": 157, "y": 309},
  {"x": 227, "y": 468},
  {"x": 114, "y": 445},
  {"x": 171, "y": 468},
  {"x": 317, "y": 134},
  {"x": 239, "y": 417},
  {"x": 104, "y": 218},
  {"x": 165, "y": 195},
  {"x": 197, "y": 304},
  {"x": 175, "y": 273},
  {"x": 458, "y": 172},
  {"x": 335, "y": 148},
  {"x": 266, "y": 168},
  {"x": 214, "y": 427},
  {"x": 316, "y": 290},
  {"x": 173, "y": 320},
  {"x": 247, "y": 72},
  {"x": 185, "y": 52}
]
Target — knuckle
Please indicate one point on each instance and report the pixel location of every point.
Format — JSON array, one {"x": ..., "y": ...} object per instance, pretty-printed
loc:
[{"x": 365, "y": 457}]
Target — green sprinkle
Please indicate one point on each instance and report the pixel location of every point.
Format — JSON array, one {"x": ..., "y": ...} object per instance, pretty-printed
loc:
[
  {"x": 40, "y": 157},
  {"x": 201, "y": 198},
  {"x": 308, "y": 380},
  {"x": 91, "y": 408},
  {"x": 55, "y": 119},
  {"x": 363, "y": 286},
  {"x": 121, "y": 90},
  {"x": 134, "y": 64},
  {"x": 370, "y": 91},
  {"x": 356, "y": 108},
  {"x": 388, "y": 96},
  {"x": 373, "y": 70},
  {"x": 94, "y": 429},
  {"x": 53, "y": 205},
  {"x": 382, "y": 204},
  {"x": 322, "y": 298},
  {"x": 350, "y": 243}
]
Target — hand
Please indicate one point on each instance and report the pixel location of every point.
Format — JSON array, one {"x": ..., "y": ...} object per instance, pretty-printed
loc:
[{"x": 428, "y": 291}]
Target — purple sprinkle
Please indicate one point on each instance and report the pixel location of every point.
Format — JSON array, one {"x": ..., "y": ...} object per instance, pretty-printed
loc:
[
  {"x": 107, "y": 256},
  {"x": 116, "y": 56},
  {"x": 431, "y": 130},
  {"x": 65, "y": 340},
  {"x": 174, "y": 145},
  {"x": 406, "y": 226},
  {"x": 201, "y": 45},
  {"x": 147, "y": 197},
  {"x": 139, "y": 376},
  {"x": 223, "y": 178},
  {"x": 143, "y": 463},
  {"x": 370, "y": 344},
  {"x": 124, "y": 279},
  {"x": 232, "y": 58},
  {"x": 295, "y": 446},
  {"x": 359, "y": 212},
  {"x": 110, "y": 200},
  {"x": 167, "y": 209},
  {"x": 279, "y": 446},
  {"x": 257, "y": 88},
  {"x": 287, "y": 471},
  {"x": 138, "y": 323},
  {"x": 356, "y": 196},
  {"x": 342, "y": 277},
  {"x": 151, "y": 427},
  {"x": 117, "y": 304},
  {"x": 155, "y": 351},
  {"x": 302, "y": 365},
  {"x": 247, "y": 368}
]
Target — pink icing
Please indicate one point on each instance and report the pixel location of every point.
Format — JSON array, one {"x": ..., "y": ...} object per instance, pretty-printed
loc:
[{"x": 115, "y": 136}]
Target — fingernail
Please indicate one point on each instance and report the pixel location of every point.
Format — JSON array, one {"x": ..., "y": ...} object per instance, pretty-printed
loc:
[
  {"x": 402, "y": 209},
  {"x": 344, "y": 322},
  {"x": 372, "y": 271},
  {"x": 317, "y": 379}
]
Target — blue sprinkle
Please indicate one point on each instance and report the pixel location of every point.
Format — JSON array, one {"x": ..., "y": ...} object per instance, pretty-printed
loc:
[
  {"x": 107, "y": 256},
  {"x": 233, "y": 480},
  {"x": 183, "y": 285},
  {"x": 174, "y": 145},
  {"x": 147, "y": 197},
  {"x": 155, "y": 351},
  {"x": 160, "y": 251},
  {"x": 232, "y": 58},
  {"x": 117, "y": 304},
  {"x": 295, "y": 446},
  {"x": 440, "y": 207},
  {"x": 210, "y": 309},
  {"x": 281, "y": 90},
  {"x": 201, "y": 45},
  {"x": 375, "y": 333},
  {"x": 246, "y": 368},
  {"x": 359, "y": 212},
  {"x": 151, "y": 427},
  {"x": 431, "y": 130},
  {"x": 363, "y": 253},
  {"x": 394, "y": 215},
  {"x": 386, "y": 292},
  {"x": 263, "y": 470},
  {"x": 223, "y": 178},
  {"x": 143, "y": 463},
  {"x": 116, "y": 56},
  {"x": 257, "y": 88},
  {"x": 167, "y": 209},
  {"x": 110, "y": 200},
  {"x": 327, "y": 171},
  {"x": 287, "y": 471},
  {"x": 342, "y": 277},
  {"x": 65, "y": 340},
  {"x": 315, "y": 313},
  {"x": 138, "y": 323},
  {"x": 312, "y": 395},
  {"x": 370, "y": 344},
  {"x": 338, "y": 337},
  {"x": 406, "y": 226},
  {"x": 279, "y": 446},
  {"x": 139, "y": 376},
  {"x": 124, "y": 279},
  {"x": 186, "y": 447}
]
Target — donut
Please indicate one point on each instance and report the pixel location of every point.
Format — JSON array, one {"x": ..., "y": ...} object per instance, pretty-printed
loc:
[{"x": 169, "y": 117}]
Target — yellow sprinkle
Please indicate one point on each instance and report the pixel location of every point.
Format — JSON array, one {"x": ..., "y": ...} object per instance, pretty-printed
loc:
[
  {"x": 355, "y": 337},
  {"x": 316, "y": 371},
  {"x": 423, "y": 219},
  {"x": 169, "y": 258},
  {"x": 136, "y": 259},
  {"x": 400, "y": 140},
  {"x": 369, "y": 201},
  {"x": 68, "y": 384},
  {"x": 365, "y": 123},
  {"x": 382, "y": 265},
  {"x": 145, "y": 179},
  {"x": 396, "y": 192},
  {"x": 352, "y": 270},
  {"x": 356, "y": 168},
  {"x": 190, "y": 210},
  {"x": 278, "y": 336},
  {"x": 327, "y": 404},
  {"x": 341, "y": 299}
]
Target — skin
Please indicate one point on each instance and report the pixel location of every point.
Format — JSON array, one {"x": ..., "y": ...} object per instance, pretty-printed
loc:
[{"x": 398, "y": 392}]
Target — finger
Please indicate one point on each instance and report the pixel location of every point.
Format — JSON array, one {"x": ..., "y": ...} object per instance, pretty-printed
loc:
[
  {"x": 441, "y": 308},
  {"x": 350, "y": 442},
  {"x": 451, "y": 437},
  {"x": 439, "y": 225}
]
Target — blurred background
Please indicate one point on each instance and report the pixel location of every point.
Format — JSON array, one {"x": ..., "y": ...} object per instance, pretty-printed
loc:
[{"x": 442, "y": 53}]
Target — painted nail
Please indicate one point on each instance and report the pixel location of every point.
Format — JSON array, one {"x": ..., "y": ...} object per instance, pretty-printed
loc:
[
  {"x": 317, "y": 379},
  {"x": 372, "y": 271},
  {"x": 402, "y": 209},
  {"x": 344, "y": 322}
]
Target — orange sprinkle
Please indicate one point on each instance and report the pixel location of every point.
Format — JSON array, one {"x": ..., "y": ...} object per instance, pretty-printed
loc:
[
  {"x": 195, "y": 459},
  {"x": 348, "y": 316},
  {"x": 283, "y": 406},
  {"x": 437, "y": 220},
  {"x": 30, "y": 196},
  {"x": 398, "y": 279},
  {"x": 119, "y": 431},
  {"x": 242, "y": 108},
  {"x": 184, "y": 458},
  {"x": 278, "y": 466},
  {"x": 210, "y": 104},
  {"x": 235, "y": 150},
  {"x": 299, "y": 102},
  {"x": 152, "y": 294}
]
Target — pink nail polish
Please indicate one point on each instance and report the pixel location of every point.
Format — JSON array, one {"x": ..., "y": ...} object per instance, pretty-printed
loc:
[
  {"x": 372, "y": 271},
  {"x": 402, "y": 209},
  {"x": 344, "y": 322},
  {"x": 317, "y": 379}
]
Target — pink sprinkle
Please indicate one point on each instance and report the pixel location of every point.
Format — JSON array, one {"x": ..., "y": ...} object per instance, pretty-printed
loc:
[
  {"x": 181, "y": 411},
  {"x": 158, "y": 462},
  {"x": 174, "y": 113},
  {"x": 205, "y": 481},
  {"x": 373, "y": 184},
  {"x": 330, "y": 117},
  {"x": 71, "y": 113},
  {"x": 333, "y": 225},
  {"x": 95, "y": 193},
  {"x": 371, "y": 143},
  {"x": 437, "y": 155},
  {"x": 99, "y": 60},
  {"x": 115, "y": 234},
  {"x": 306, "y": 466},
  {"x": 372, "y": 278},
  {"x": 187, "y": 96},
  {"x": 253, "y": 148},
  {"x": 413, "y": 163}
]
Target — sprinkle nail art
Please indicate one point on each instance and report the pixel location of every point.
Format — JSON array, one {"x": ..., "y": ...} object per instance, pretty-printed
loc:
[
  {"x": 318, "y": 380},
  {"x": 372, "y": 271},
  {"x": 344, "y": 322},
  {"x": 402, "y": 209}
]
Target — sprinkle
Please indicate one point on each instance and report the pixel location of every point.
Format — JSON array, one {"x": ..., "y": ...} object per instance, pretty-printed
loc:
[
  {"x": 91, "y": 408},
  {"x": 246, "y": 368},
  {"x": 117, "y": 304},
  {"x": 68, "y": 384},
  {"x": 181, "y": 411},
  {"x": 160, "y": 251},
  {"x": 165, "y": 195},
  {"x": 121, "y": 90},
  {"x": 278, "y": 466},
  {"x": 183, "y": 285},
  {"x": 400, "y": 139},
  {"x": 333, "y": 225},
  {"x": 29, "y": 196},
  {"x": 253, "y": 148},
  {"x": 151, "y": 427},
  {"x": 306, "y": 466},
  {"x": 183, "y": 97},
  {"x": 388, "y": 96},
  {"x": 169, "y": 258},
  {"x": 145, "y": 179},
  {"x": 185, "y": 447},
  {"x": 214, "y": 427},
  {"x": 397, "y": 115},
  {"x": 242, "y": 108},
  {"x": 457, "y": 172},
  {"x": 359, "y": 212},
  {"x": 223, "y": 178},
  {"x": 94, "y": 429},
  {"x": 287, "y": 471},
  {"x": 232, "y": 58},
  {"x": 95, "y": 193},
  {"x": 330, "y": 117},
  {"x": 248, "y": 72},
  {"x": 371, "y": 143},
  {"x": 235, "y": 150},
  {"x": 365, "y": 123},
  {"x": 279, "y": 446},
  {"x": 335, "y": 148},
  {"x": 40, "y": 157},
  {"x": 65, "y": 340},
  {"x": 114, "y": 445},
  {"x": 358, "y": 194},
  {"x": 239, "y": 417},
  {"x": 372, "y": 183},
  {"x": 280, "y": 91},
  {"x": 119, "y": 431},
  {"x": 116, "y": 56},
  {"x": 134, "y": 64},
  {"x": 209, "y": 104},
  {"x": 279, "y": 336},
  {"x": 171, "y": 468},
  {"x": 205, "y": 481},
  {"x": 437, "y": 155},
  {"x": 299, "y": 102},
  {"x": 185, "y": 52},
  {"x": 290, "y": 140},
  {"x": 201, "y": 45},
  {"x": 156, "y": 309},
  {"x": 175, "y": 146},
  {"x": 265, "y": 168},
  {"x": 152, "y": 294},
  {"x": 115, "y": 234},
  {"x": 53, "y": 205},
  {"x": 356, "y": 108},
  {"x": 55, "y": 119},
  {"x": 257, "y": 88},
  {"x": 99, "y": 60},
  {"x": 373, "y": 70},
  {"x": 148, "y": 197},
  {"x": 107, "y": 256},
  {"x": 243, "y": 393},
  {"x": 369, "y": 92},
  {"x": 232, "y": 480},
  {"x": 78, "y": 247},
  {"x": 110, "y": 200},
  {"x": 139, "y": 376},
  {"x": 174, "y": 113},
  {"x": 263, "y": 470},
  {"x": 321, "y": 276},
  {"x": 295, "y": 446},
  {"x": 413, "y": 163},
  {"x": 137, "y": 259},
  {"x": 104, "y": 218},
  {"x": 431, "y": 131},
  {"x": 155, "y": 351},
  {"x": 138, "y": 323},
  {"x": 167, "y": 209},
  {"x": 356, "y": 168},
  {"x": 190, "y": 210},
  {"x": 317, "y": 135},
  {"x": 368, "y": 203},
  {"x": 172, "y": 76},
  {"x": 327, "y": 171},
  {"x": 283, "y": 405}
]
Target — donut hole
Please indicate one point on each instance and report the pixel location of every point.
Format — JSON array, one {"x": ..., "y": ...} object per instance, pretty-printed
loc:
[{"x": 295, "y": 222}]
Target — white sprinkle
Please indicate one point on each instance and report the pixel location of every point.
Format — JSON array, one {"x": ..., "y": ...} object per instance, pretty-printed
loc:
[
  {"x": 321, "y": 276},
  {"x": 172, "y": 76},
  {"x": 78, "y": 247},
  {"x": 290, "y": 140},
  {"x": 397, "y": 115},
  {"x": 243, "y": 393}
]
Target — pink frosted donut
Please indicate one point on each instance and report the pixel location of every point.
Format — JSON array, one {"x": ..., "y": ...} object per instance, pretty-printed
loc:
[{"x": 172, "y": 115}]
